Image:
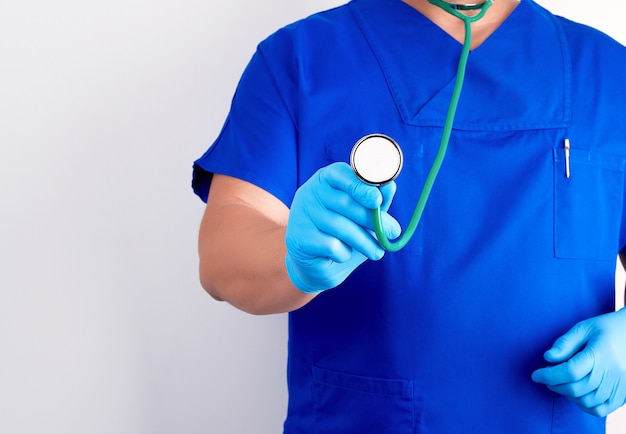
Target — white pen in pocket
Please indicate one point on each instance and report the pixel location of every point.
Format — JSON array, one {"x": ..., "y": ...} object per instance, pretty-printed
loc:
[{"x": 566, "y": 148}]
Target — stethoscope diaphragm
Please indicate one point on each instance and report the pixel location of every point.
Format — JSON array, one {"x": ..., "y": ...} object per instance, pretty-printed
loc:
[{"x": 376, "y": 159}]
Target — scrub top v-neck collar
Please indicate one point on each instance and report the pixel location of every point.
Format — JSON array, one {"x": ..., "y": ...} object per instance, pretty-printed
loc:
[{"x": 518, "y": 79}]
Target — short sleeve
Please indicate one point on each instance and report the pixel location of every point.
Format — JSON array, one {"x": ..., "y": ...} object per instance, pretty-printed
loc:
[{"x": 258, "y": 141}]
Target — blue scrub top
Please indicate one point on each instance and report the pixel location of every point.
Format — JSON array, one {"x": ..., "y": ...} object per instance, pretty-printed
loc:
[{"x": 442, "y": 337}]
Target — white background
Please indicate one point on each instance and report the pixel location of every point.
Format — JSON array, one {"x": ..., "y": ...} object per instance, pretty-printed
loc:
[{"x": 103, "y": 325}]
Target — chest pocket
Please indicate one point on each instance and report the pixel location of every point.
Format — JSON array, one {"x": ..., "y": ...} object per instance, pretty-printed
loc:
[{"x": 588, "y": 204}]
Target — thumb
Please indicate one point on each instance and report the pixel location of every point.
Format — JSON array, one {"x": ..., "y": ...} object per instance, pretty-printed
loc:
[{"x": 568, "y": 344}]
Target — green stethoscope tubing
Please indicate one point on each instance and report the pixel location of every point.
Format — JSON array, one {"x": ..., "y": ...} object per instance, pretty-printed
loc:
[{"x": 394, "y": 246}]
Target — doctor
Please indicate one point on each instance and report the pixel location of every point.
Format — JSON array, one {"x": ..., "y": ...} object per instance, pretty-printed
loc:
[{"x": 497, "y": 317}]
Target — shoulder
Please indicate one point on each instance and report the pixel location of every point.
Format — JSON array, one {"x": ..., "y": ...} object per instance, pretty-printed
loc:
[
  {"x": 597, "y": 60},
  {"x": 586, "y": 41},
  {"x": 580, "y": 37},
  {"x": 312, "y": 48},
  {"x": 318, "y": 30}
]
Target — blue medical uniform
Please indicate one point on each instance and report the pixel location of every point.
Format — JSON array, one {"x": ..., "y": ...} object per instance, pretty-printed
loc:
[{"x": 442, "y": 337}]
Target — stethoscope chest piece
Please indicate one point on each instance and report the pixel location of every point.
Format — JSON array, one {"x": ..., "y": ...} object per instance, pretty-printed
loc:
[{"x": 376, "y": 159}]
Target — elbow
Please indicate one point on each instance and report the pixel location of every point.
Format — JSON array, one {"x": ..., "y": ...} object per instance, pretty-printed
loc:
[
  {"x": 252, "y": 295},
  {"x": 207, "y": 283},
  {"x": 210, "y": 282},
  {"x": 212, "y": 293},
  {"x": 240, "y": 300}
]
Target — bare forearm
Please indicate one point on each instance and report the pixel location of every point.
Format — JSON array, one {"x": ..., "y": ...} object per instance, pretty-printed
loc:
[{"x": 242, "y": 255}]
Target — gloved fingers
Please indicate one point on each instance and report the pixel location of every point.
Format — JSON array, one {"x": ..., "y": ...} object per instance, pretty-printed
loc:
[
  {"x": 585, "y": 387},
  {"x": 314, "y": 275},
  {"x": 594, "y": 399},
  {"x": 328, "y": 233},
  {"x": 573, "y": 390},
  {"x": 347, "y": 235},
  {"x": 315, "y": 244},
  {"x": 602, "y": 410},
  {"x": 388, "y": 191},
  {"x": 339, "y": 176},
  {"x": 391, "y": 226},
  {"x": 573, "y": 370},
  {"x": 344, "y": 205},
  {"x": 568, "y": 344},
  {"x": 610, "y": 399},
  {"x": 603, "y": 357},
  {"x": 602, "y": 401}
]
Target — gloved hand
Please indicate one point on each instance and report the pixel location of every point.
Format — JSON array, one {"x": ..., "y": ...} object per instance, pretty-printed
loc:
[
  {"x": 590, "y": 364},
  {"x": 329, "y": 229}
]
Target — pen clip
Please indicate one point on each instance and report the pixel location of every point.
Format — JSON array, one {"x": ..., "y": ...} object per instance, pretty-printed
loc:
[{"x": 566, "y": 151}]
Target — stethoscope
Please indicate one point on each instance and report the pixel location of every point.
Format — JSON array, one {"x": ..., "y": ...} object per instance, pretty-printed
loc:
[{"x": 377, "y": 159}]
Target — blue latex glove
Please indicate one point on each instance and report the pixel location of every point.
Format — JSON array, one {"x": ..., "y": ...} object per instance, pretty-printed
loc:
[
  {"x": 329, "y": 229},
  {"x": 590, "y": 364}
]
